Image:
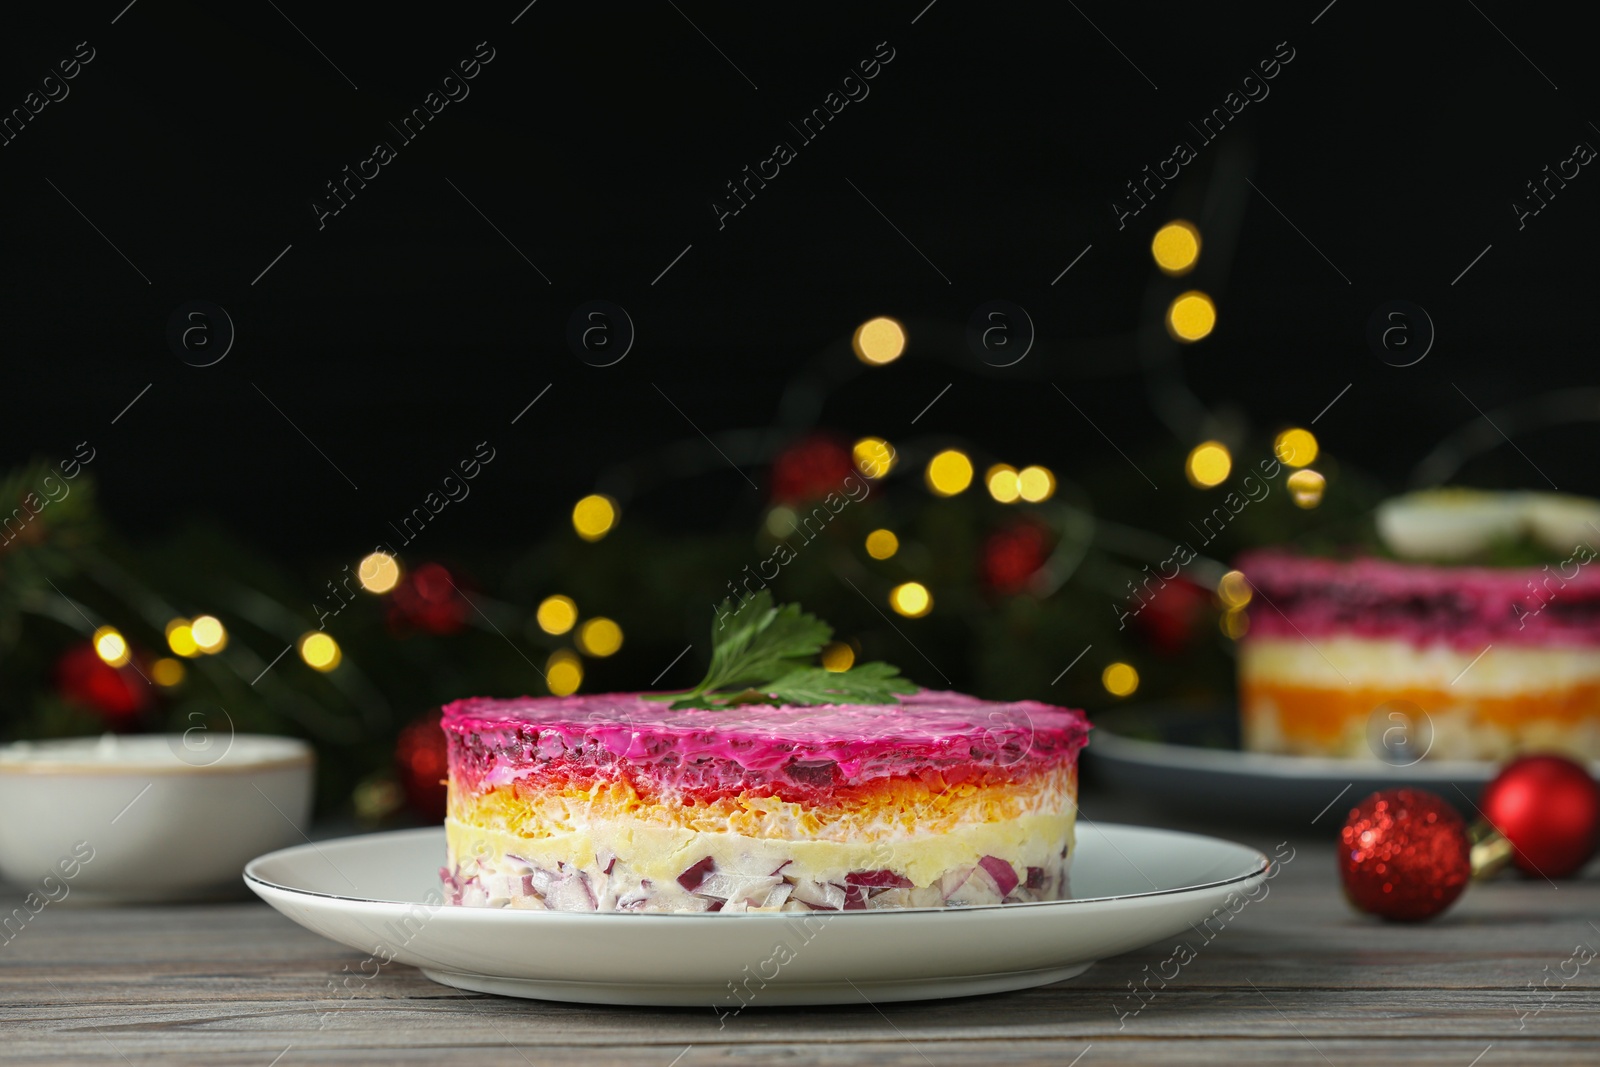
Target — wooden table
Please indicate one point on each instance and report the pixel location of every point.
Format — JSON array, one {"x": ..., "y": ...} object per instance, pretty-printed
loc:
[{"x": 1298, "y": 977}]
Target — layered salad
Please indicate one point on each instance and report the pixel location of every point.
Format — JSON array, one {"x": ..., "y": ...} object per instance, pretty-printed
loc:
[
  {"x": 1478, "y": 618},
  {"x": 619, "y": 802}
]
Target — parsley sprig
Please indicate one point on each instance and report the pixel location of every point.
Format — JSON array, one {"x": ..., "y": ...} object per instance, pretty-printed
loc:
[{"x": 764, "y": 653}]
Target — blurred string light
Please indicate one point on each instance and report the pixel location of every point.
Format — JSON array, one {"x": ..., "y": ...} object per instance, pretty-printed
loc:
[
  {"x": 1120, "y": 679},
  {"x": 1233, "y": 589},
  {"x": 1002, "y": 482},
  {"x": 881, "y": 544},
  {"x": 556, "y": 614},
  {"x": 111, "y": 647},
  {"x": 873, "y": 456},
  {"x": 838, "y": 656},
  {"x": 911, "y": 599},
  {"x": 378, "y": 573},
  {"x": 320, "y": 651},
  {"x": 167, "y": 672},
  {"x": 949, "y": 472},
  {"x": 209, "y": 633},
  {"x": 1036, "y": 484},
  {"x": 563, "y": 672},
  {"x": 1296, "y": 447},
  {"x": 1208, "y": 464},
  {"x": 1234, "y": 624},
  {"x": 594, "y": 516},
  {"x": 781, "y": 521},
  {"x": 180, "y": 638},
  {"x": 1191, "y": 317},
  {"x": 1176, "y": 247},
  {"x": 599, "y": 637},
  {"x": 1305, "y": 488},
  {"x": 879, "y": 341}
]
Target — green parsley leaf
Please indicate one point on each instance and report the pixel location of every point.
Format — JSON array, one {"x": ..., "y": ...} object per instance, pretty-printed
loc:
[
  {"x": 764, "y": 653},
  {"x": 761, "y": 641},
  {"x": 865, "y": 683}
]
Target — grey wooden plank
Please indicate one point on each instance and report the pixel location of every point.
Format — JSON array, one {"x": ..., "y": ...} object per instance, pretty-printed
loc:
[
  {"x": 1248, "y": 1011},
  {"x": 902, "y": 1054}
]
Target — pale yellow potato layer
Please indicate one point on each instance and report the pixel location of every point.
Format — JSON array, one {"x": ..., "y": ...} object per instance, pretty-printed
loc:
[{"x": 661, "y": 853}]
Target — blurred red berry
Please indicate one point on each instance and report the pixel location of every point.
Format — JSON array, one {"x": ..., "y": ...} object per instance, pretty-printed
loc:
[
  {"x": 810, "y": 469},
  {"x": 118, "y": 694},
  {"x": 1173, "y": 615},
  {"x": 428, "y": 599},
  {"x": 1012, "y": 556}
]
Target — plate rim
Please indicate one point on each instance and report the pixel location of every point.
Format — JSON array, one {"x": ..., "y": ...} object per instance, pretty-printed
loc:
[{"x": 256, "y": 883}]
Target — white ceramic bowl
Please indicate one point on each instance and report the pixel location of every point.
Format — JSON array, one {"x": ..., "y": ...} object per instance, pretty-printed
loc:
[{"x": 151, "y": 817}]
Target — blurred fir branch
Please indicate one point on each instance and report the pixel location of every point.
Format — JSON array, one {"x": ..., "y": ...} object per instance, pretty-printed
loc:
[{"x": 64, "y": 573}]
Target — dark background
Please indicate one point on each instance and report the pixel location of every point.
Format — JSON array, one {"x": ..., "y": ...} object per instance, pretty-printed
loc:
[{"x": 408, "y": 329}]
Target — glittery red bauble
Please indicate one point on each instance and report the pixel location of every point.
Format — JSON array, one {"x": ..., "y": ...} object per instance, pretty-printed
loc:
[
  {"x": 1013, "y": 555},
  {"x": 1404, "y": 854},
  {"x": 419, "y": 755},
  {"x": 1548, "y": 807},
  {"x": 118, "y": 694},
  {"x": 429, "y": 599},
  {"x": 810, "y": 469}
]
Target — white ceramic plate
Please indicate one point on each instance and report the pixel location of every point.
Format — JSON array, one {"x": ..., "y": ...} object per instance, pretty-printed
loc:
[{"x": 379, "y": 894}]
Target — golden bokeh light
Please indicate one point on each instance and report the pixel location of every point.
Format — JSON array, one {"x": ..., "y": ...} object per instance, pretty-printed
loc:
[
  {"x": 599, "y": 637},
  {"x": 320, "y": 651},
  {"x": 556, "y": 614},
  {"x": 1120, "y": 679},
  {"x": 209, "y": 634},
  {"x": 874, "y": 457},
  {"x": 180, "y": 638},
  {"x": 1305, "y": 488},
  {"x": 1176, "y": 247},
  {"x": 1036, "y": 484},
  {"x": 110, "y": 646},
  {"x": 379, "y": 572},
  {"x": 563, "y": 672},
  {"x": 594, "y": 516},
  {"x": 1191, "y": 317},
  {"x": 881, "y": 544},
  {"x": 167, "y": 672},
  {"x": 1002, "y": 482},
  {"x": 781, "y": 521},
  {"x": 1233, "y": 589},
  {"x": 375, "y": 799},
  {"x": 1296, "y": 447},
  {"x": 949, "y": 473},
  {"x": 1234, "y": 624},
  {"x": 838, "y": 656},
  {"x": 911, "y": 599},
  {"x": 879, "y": 341},
  {"x": 1208, "y": 465}
]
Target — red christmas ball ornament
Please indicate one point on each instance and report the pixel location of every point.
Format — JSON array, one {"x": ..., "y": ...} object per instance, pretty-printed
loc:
[
  {"x": 1013, "y": 555},
  {"x": 810, "y": 469},
  {"x": 428, "y": 599},
  {"x": 117, "y": 694},
  {"x": 1405, "y": 855},
  {"x": 419, "y": 756},
  {"x": 1548, "y": 807}
]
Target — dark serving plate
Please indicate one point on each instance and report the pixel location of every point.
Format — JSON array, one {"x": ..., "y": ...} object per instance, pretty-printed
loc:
[{"x": 1188, "y": 758}]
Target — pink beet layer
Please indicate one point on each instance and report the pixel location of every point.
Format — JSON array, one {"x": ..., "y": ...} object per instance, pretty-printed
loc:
[
  {"x": 800, "y": 750},
  {"x": 1470, "y": 607}
]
